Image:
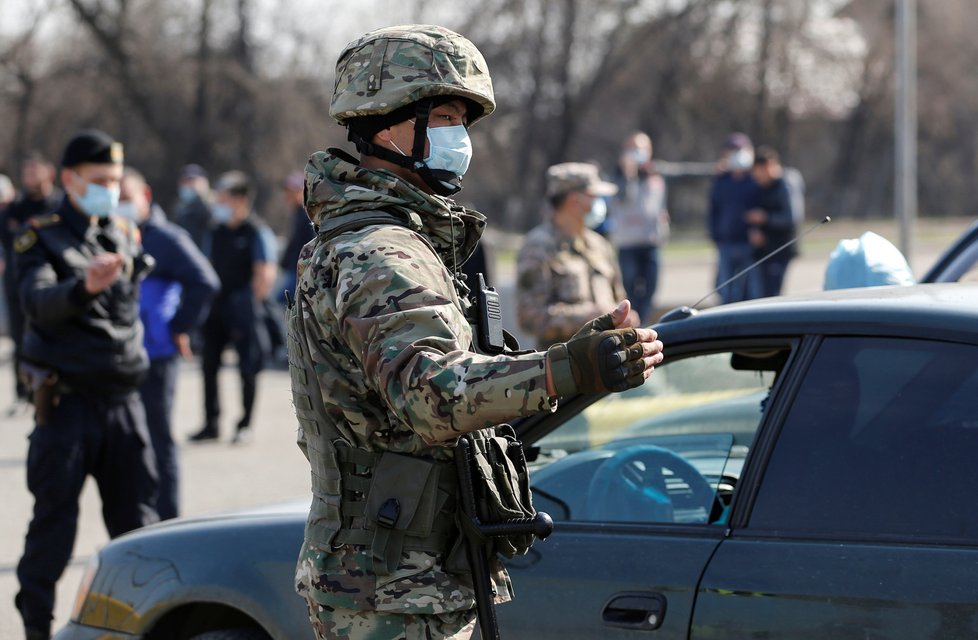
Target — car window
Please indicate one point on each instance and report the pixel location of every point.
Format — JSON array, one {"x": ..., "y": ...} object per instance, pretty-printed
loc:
[
  {"x": 880, "y": 440},
  {"x": 668, "y": 451}
]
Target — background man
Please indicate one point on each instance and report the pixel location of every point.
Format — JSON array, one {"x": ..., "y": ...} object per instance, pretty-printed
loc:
[
  {"x": 38, "y": 196},
  {"x": 78, "y": 271},
  {"x": 772, "y": 221},
  {"x": 193, "y": 210},
  {"x": 386, "y": 372},
  {"x": 301, "y": 232},
  {"x": 640, "y": 221},
  {"x": 566, "y": 273},
  {"x": 241, "y": 257},
  {"x": 732, "y": 193},
  {"x": 174, "y": 300}
]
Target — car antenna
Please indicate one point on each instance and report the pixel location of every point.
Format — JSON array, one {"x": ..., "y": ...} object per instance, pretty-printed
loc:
[{"x": 686, "y": 311}]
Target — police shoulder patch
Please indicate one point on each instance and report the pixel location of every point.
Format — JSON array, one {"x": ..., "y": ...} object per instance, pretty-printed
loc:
[
  {"x": 25, "y": 241},
  {"x": 39, "y": 222}
]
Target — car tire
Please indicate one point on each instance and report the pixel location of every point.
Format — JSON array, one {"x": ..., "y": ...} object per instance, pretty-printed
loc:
[{"x": 233, "y": 634}]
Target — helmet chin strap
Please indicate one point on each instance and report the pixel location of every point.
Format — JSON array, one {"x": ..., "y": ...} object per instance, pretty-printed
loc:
[{"x": 443, "y": 183}]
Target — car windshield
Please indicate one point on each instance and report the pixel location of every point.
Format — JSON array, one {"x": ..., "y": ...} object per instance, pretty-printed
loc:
[{"x": 669, "y": 451}]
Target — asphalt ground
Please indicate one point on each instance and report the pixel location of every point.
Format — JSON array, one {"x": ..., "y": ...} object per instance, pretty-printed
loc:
[{"x": 221, "y": 477}]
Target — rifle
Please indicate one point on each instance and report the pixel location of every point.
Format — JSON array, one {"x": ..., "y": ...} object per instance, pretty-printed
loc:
[{"x": 477, "y": 538}]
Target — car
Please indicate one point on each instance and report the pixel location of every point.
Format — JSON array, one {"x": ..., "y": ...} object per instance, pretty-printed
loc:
[{"x": 798, "y": 467}]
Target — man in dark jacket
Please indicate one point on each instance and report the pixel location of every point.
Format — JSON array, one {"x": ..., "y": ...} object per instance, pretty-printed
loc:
[
  {"x": 78, "y": 272},
  {"x": 242, "y": 253},
  {"x": 772, "y": 221},
  {"x": 174, "y": 300},
  {"x": 733, "y": 192},
  {"x": 38, "y": 196}
]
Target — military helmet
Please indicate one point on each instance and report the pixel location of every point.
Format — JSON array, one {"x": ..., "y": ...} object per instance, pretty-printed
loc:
[{"x": 393, "y": 67}]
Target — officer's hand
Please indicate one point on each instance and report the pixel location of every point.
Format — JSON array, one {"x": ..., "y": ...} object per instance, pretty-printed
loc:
[
  {"x": 603, "y": 361},
  {"x": 103, "y": 270}
]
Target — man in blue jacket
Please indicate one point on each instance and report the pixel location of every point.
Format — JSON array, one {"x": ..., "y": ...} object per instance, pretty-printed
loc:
[{"x": 174, "y": 301}]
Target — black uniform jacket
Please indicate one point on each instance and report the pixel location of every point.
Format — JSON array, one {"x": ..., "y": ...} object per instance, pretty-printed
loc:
[{"x": 94, "y": 343}]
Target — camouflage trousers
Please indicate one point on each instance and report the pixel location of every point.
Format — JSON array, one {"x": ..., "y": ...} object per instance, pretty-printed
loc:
[{"x": 329, "y": 622}]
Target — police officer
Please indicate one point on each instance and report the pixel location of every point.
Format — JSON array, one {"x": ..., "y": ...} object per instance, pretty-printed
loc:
[
  {"x": 567, "y": 273},
  {"x": 173, "y": 301},
  {"x": 78, "y": 271},
  {"x": 38, "y": 195},
  {"x": 243, "y": 257},
  {"x": 386, "y": 372}
]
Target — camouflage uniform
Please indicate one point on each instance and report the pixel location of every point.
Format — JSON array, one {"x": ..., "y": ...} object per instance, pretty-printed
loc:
[
  {"x": 393, "y": 357},
  {"x": 565, "y": 280}
]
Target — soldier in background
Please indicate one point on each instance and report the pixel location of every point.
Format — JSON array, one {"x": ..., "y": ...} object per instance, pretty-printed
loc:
[
  {"x": 567, "y": 273},
  {"x": 174, "y": 300},
  {"x": 38, "y": 196},
  {"x": 386, "y": 371},
  {"x": 78, "y": 273}
]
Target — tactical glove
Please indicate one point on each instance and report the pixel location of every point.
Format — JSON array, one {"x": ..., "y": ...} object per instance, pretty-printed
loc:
[{"x": 596, "y": 361}]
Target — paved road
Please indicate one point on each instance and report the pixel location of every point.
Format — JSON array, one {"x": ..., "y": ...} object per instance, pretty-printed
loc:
[{"x": 221, "y": 477}]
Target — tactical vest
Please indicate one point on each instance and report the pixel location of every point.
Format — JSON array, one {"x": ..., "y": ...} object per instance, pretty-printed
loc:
[{"x": 386, "y": 501}]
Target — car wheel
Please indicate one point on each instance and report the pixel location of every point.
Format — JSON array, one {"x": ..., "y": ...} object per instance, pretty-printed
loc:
[{"x": 233, "y": 634}]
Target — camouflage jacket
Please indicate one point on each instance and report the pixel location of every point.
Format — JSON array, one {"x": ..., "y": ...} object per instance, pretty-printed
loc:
[
  {"x": 393, "y": 355},
  {"x": 564, "y": 281}
]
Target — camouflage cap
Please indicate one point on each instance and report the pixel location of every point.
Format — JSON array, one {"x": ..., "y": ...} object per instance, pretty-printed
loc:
[
  {"x": 396, "y": 66},
  {"x": 577, "y": 176}
]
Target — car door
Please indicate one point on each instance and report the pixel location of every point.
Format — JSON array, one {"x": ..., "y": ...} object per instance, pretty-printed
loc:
[
  {"x": 865, "y": 522},
  {"x": 639, "y": 485}
]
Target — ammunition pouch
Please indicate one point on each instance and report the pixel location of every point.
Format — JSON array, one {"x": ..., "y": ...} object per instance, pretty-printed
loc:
[
  {"x": 44, "y": 388},
  {"x": 502, "y": 488},
  {"x": 394, "y": 503}
]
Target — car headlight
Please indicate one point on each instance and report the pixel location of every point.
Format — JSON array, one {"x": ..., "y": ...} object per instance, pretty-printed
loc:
[{"x": 84, "y": 588}]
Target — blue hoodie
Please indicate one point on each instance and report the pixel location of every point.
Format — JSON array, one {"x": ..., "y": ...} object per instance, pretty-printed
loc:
[{"x": 177, "y": 294}]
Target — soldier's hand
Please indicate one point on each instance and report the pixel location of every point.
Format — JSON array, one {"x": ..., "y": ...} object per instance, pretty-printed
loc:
[
  {"x": 620, "y": 318},
  {"x": 103, "y": 270},
  {"x": 603, "y": 361}
]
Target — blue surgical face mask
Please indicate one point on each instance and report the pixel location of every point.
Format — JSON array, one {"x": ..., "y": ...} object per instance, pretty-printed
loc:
[
  {"x": 221, "y": 212},
  {"x": 597, "y": 214},
  {"x": 186, "y": 193},
  {"x": 449, "y": 149},
  {"x": 98, "y": 201},
  {"x": 128, "y": 211}
]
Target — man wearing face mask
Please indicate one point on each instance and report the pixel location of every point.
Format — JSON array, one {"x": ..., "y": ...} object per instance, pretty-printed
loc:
[
  {"x": 174, "y": 300},
  {"x": 640, "y": 221},
  {"x": 193, "y": 208},
  {"x": 732, "y": 194},
  {"x": 387, "y": 371},
  {"x": 78, "y": 272},
  {"x": 243, "y": 257},
  {"x": 567, "y": 273}
]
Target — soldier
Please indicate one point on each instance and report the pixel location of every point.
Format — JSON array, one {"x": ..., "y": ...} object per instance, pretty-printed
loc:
[
  {"x": 386, "y": 372},
  {"x": 566, "y": 273},
  {"x": 78, "y": 271}
]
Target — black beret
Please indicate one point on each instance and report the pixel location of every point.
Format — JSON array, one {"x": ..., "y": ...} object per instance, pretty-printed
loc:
[{"x": 91, "y": 145}]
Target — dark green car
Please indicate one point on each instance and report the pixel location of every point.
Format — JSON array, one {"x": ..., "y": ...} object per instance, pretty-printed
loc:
[{"x": 797, "y": 468}]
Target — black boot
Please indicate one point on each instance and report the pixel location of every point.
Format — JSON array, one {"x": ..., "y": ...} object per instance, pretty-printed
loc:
[{"x": 208, "y": 433}]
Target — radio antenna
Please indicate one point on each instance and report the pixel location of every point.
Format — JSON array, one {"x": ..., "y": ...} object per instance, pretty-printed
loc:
[{"x": 684, "y": 311}]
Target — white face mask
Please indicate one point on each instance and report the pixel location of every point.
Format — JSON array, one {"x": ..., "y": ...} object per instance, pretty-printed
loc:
[
  {"x": 741, "y": 160},
  {"x": 449, "y": 149},
  {"x": 597, "y": 214}
]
